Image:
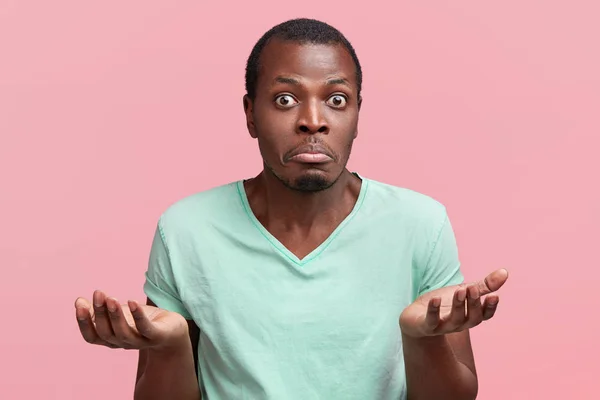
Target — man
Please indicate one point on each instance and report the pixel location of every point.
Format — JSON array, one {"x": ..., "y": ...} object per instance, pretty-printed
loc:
[{"x": 306, "y": 281}]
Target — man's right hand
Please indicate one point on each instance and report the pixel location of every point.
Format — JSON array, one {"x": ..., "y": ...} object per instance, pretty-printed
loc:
[{"x": 131, "y": 326}]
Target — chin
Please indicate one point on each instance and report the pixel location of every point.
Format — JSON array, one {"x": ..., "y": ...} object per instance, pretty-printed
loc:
[{"x": 310, "y": 183}]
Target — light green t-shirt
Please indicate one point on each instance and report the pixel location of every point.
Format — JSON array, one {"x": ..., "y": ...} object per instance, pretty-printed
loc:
[{"x": 323, "y": 327}]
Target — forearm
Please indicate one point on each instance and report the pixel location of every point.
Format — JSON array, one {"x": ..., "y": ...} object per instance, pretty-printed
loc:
[
  {"x": 169, "y": 375},
  {"x": 433, "y": 372}
]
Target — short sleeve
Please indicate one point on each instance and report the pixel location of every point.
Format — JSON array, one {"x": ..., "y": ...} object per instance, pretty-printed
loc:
[
  {"x": 443, "y": 265},
  {"x": 160, "y": 284}
]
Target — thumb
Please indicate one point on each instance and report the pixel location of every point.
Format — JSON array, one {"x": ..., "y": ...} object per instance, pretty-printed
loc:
[
  {"x": 492, "y": 282},
  {"x": 142, "y": 321}
]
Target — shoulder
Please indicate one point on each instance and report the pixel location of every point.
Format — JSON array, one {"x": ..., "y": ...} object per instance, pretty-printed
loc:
[
  {"x": 200, "y": 208},
  {"x": 407, "y": 204}
]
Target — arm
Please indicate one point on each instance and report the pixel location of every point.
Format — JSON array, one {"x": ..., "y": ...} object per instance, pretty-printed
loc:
[
  {"x": 168, "y": 375},
  {"x": 437, "y": 349},
  {"x": 435, "y": 330},
  {"x": 440, "y": 367},
  {"x": 166, "y": 366},
  {"x": 166, "y": 338}
]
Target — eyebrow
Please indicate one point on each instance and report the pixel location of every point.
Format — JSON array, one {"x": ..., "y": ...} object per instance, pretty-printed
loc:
[
  {"x": 293, "y": 81},
  {"x": 338, "y": 81}
]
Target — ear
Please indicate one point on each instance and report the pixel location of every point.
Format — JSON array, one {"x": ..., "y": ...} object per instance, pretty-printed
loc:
[
  {"x": 248, "y": 108},
  {"x": 359, "y": 104}
]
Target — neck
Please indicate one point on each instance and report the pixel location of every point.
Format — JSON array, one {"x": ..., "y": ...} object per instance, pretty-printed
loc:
[{"x": 273, "y": 203}]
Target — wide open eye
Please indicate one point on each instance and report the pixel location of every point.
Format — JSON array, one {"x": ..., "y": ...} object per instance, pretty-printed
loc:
[
  {"x": 285, "y": 100},
  {"x": 337, "y": 101}
]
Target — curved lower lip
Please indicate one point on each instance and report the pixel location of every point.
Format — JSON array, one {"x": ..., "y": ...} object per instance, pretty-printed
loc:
[{"x": 312, "y": 158}]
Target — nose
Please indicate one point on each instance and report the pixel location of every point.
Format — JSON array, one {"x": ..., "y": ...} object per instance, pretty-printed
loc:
[{"x": 311, "y": 119}]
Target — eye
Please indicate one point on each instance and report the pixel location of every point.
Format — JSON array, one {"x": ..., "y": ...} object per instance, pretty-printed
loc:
[
  {"x": 285, "y": 100},
  {"x": 337, "y": 101}
]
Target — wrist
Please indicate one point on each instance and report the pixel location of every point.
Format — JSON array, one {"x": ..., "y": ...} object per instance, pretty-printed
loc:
[
  {"x": 177, "y": 347},
  {"x": 412, "y": 333},
  {"x": 425, "y": 339},
  {"x": 425, "y": 346}
]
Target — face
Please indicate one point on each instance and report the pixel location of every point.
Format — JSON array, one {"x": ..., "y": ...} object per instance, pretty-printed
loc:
[{"x": 305, "y": 113}]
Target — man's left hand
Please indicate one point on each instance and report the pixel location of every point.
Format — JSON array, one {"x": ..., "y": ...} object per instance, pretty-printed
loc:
[{"x": 453, "y": 308}]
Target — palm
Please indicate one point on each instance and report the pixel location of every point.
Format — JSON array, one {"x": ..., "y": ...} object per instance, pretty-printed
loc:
[
  {"x": 164, "y": 321},
  {"x": 128, "y": 326},
  {"x": 453, "y": 308},
  {"x": 418, "y": 309}
]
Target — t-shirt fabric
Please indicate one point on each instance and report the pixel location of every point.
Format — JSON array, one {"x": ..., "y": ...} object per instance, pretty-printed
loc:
[{"x": 273, "y": 326}]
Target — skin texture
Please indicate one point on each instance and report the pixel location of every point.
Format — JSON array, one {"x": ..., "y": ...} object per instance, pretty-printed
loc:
[
  {"x": 438, "y": 356},
  {"x": 306, "y": 97},
  {"x": 166, "y": 361}
]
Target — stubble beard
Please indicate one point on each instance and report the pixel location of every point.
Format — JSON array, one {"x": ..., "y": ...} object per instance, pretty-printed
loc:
[{"x": 310, "y": 182}]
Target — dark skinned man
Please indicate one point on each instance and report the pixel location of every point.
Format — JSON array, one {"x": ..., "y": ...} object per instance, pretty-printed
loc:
[{"x": 306, "y": 281}]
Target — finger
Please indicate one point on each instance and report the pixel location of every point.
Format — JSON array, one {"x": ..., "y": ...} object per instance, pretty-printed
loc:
[
  {"x": 492, "y": 282},
  {"x": 125, "y": 335},
  {"x": 432, "y": 319},
  {"x": 103, "y": 325},
  {"x": 143, "y": 324},
  {"x": 489, "y": 307},
  {"x": 83, "y": 315},
  {"x": 474, "y": 309},
  {"x": 458, "y": 315}
]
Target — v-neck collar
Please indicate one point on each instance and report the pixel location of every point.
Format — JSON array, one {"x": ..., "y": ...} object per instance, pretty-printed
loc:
[{"x": 284, "y": 250}]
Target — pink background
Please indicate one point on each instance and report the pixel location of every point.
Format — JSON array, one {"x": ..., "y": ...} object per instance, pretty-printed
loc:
[{"x": 111, "y": 111}]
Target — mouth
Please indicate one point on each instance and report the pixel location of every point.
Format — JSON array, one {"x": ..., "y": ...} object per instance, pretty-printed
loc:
[{"x": 310, "y": 154}]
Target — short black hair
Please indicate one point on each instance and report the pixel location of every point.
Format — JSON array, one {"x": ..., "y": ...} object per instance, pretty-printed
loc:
[{"x": 301, "y": 30}]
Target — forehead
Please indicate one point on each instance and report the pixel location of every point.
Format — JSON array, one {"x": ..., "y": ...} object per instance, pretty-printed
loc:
[{"x": 305, "y": 60}]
